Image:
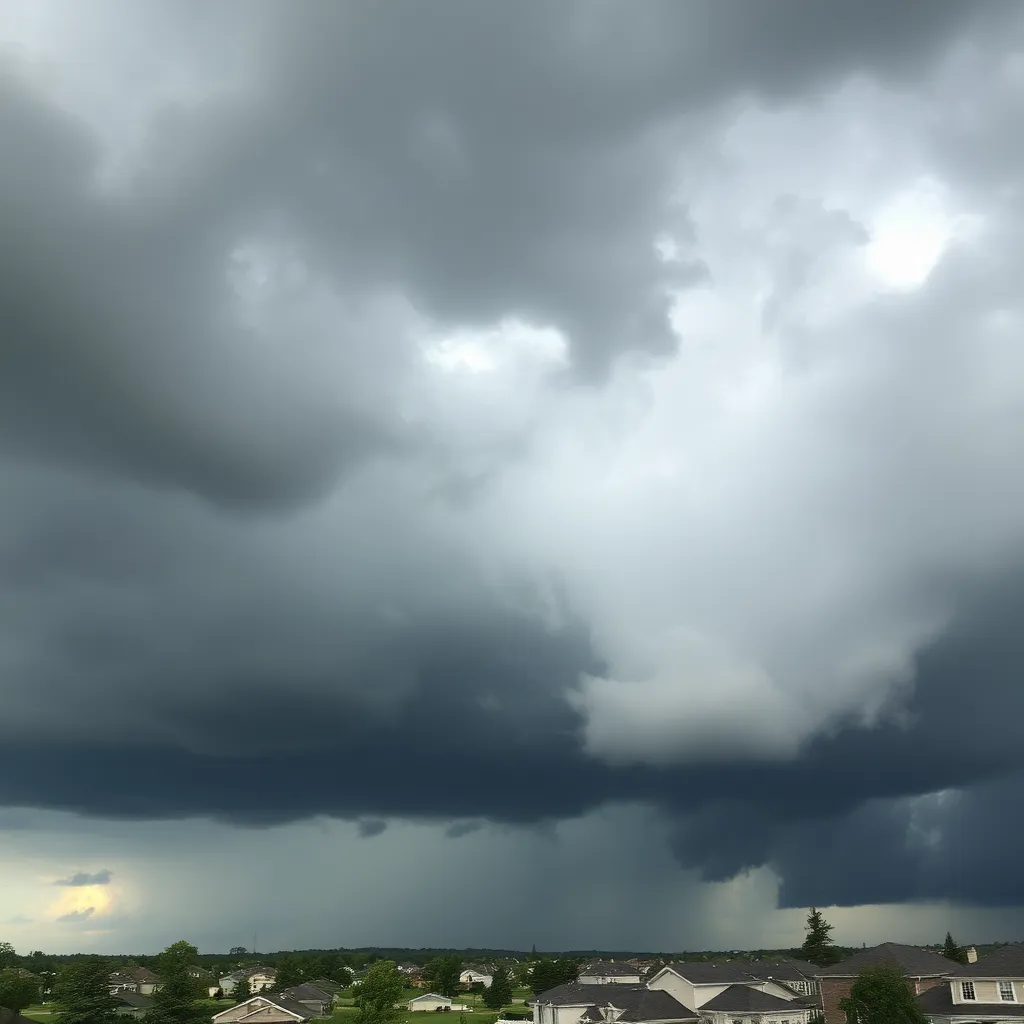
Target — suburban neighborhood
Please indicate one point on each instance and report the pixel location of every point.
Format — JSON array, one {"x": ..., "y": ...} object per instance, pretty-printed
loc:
[{"x": 824, "y": 984}]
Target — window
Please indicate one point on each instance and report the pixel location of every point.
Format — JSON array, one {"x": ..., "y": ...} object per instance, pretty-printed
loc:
[
  {"x": 967, "y": 990},
  {"x": 1006, "y": 992}
]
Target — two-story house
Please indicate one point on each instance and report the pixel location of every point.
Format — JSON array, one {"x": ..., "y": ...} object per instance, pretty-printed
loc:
[
  {"x": 989, "y": 990},
  {"x": 923, "y": 969}
]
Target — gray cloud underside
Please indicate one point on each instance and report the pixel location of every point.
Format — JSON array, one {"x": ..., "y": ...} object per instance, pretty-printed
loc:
[
  {"x": 175, "y": 643},
  {"x": 85, "y": 878}
]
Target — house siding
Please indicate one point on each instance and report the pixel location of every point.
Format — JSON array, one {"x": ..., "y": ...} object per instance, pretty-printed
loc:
[{"x": 986, "y": 992}]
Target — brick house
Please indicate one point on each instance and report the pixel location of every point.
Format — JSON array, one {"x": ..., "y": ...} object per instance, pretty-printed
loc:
[{"x": 922, "y": 968}]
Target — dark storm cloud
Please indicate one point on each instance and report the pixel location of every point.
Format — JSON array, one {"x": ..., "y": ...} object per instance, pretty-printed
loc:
[
  {"x": 84, "y": 878},
  {"x": 162, "y": 659}
]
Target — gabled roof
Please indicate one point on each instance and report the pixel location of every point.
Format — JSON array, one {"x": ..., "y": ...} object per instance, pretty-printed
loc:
[
  {"x": 572, "y": 993},
  {"x": 307, "y": 990},
  {"x": 745, "y": 999},
  {"x": 912, "y": 960},
  {"x": 609, "y": 969},
  {"x": 328, "y": 986},
  {"x": 1005, "y": 962},
  {"x": 640, "y": 1003},
  {"x": 939, "y": 1000},
  {"x": 429, "y": 995},
  {"x": 143, "y": 975},
  {"x": 261, "y": 1001},
  {"x": 783, "y": 969},
  {"x": 702, "y": 972},
  {"x": 140, "y": 1002}
]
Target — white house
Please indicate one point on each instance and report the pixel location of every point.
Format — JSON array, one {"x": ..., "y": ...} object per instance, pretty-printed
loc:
[
  {"x": 475, "y": 974},
  {"x": 259, "y": 979},
  {"x": 989, "y": 990},
  {"x": 429, "y": 1001}
]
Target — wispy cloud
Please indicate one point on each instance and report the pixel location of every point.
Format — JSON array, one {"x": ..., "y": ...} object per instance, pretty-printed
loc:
[
  {"x": 76, "y": 916},
  {"x": 84, "y": 878},
  {"x": 18, "y": 919}
]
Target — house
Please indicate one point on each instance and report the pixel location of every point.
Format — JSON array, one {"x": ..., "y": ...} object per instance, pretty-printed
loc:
[
  {"x": 989, "y": 989},
  {"x": 607, "y": 972},
  {"x": 798, "y": 975},
  {"x": 259, "y": 978},
  {"x": 695, "y": 983},
  {"x": 922, "y": 968},
  {"x": 264, "y": 1010},
  {"x": 146, "y": 981},
  {"x": 576, "y": 1003},
  {"x": 315, "y": 999},
  {"x": 207, "y": 980},
  {"x": 332, "y": 988},
  {"x": 131, "y": 1004},
  {"x": 122, "y": 981},
  {"x": 429, "y": 1001},
  {"x": 473, "y": 974},
  {"x": 742, "y": 1003}
]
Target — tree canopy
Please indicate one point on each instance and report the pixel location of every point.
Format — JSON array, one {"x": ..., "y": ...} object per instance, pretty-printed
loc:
[
  {"x": 818, "y": 946},
  {"x": 82, "y": 992},
  {"x": 442, "y": 974},
  {"x": 500, "y": 992},
  {"x": 242, "y": 990},
  {"x": 177, "y": 999},
  {"x": 17, "y": 991},
  {"x": 547, "y": 974},
  {"x": 881, "y": 995},
  {"x": 8, "y": 957},
  {"x": 378, "y": 993}
]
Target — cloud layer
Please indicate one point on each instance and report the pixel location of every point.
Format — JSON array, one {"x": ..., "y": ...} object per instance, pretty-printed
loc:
[{"x": 603, "y": 410}]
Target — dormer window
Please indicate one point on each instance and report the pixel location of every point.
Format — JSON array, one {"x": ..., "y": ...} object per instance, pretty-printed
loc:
[
  {"x": 967, "y": 991},
  {"x": 1006, "y": 992}
]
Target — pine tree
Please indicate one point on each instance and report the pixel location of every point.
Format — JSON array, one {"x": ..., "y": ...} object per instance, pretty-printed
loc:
[
  {"x": 500, "y": 992},
  {"x": 951, "y": 951},
  {"x": 82, "y": 992},
  {"x": 818, "y": 946}
]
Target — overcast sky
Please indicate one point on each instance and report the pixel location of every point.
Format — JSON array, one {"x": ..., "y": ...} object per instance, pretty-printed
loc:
[{"x": 481, "y": 473}]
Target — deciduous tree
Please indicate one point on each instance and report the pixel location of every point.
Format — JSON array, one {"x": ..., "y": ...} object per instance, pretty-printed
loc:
[
  {"x": 82, "y": 992},
  {"x": 177, "y": 999},
  {"x": 379, "y": 991},
  {"x": 500, "y": 992},
  {"x": 17, "y": 991},
  {"x": 8, "y": 957},
  {"x": 881, "y": 995},
  {"x": 442, "y": 974},
  {"x": 242, "y": 990}
]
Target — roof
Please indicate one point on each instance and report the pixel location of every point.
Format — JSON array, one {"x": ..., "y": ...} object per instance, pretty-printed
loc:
[
  {"x": 136, "y": 1000},
  {"x": 328, "y": 986},
  {"x": 638, "y": 1002},
  {"x": 745, "y": 999},
  {"x": 429, "y": 995},
  {"x": 307, "y": 990},
  {"x": 1005, "y": 962},
  {"x": 702, "y": 972},
  {"x": 143, "y": 975},
  {"x": 609, "y": 969},
  {"x": 912, "y": 960},
  {"x": 939, "y": 1000},
  {"x": 122, "y": 978},
  {"x": 283, "y": 1002},
  {"x": 477, "y": 969},
  {"x": 783, "y": 969}
]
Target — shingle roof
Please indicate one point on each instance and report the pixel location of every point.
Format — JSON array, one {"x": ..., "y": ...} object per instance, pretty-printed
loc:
[
  {"x": 939, "y": 1000},
  {"x": 784, "y": 969},
  {"x": 745, "y": 999},
  {"x": 912, "y": 960},
  {"x": 143, "y": 975},
  {"x": 282, "y": 1001},
  {"x": 638, "y": 1002},
  {"x": 331, "y": 987},
  {"x": 701, "y": 972},
  {"x": 136, "y": 1000},
  {"x": 609, "y": 969},
  {"x": 1005, "y": 962},
  {"x": 307, "y": 990}
]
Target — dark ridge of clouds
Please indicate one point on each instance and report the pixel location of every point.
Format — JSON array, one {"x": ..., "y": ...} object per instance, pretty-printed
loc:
[
  {"x": 458, "y": 829},
  {"x": 76, "y": 916},
  {"x": 85, "y": 878},
  {"x": 370, "y": 827}
]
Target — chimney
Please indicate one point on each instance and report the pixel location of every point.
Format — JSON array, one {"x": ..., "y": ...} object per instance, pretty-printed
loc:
[{"x": 972, "y": 955}]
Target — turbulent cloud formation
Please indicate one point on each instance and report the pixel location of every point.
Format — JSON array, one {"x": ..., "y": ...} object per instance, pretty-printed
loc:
[
  {"x": 84, "y": 878},
  {"x": 489, "y": 413}
]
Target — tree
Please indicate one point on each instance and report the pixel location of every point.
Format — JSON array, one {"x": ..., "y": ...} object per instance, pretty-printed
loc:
[
  {"x": 951, "y": 951},
  {"x": 8, "y": 957},
  {"x": 242, "y": 990},
  {"x": 881, "y": 995},
  {"x": 237, "y": 951},
  {"x": 177, "y": 999},
  {"x": 547, "y": 974},
  {"x": 500, "y": 992},
  {"x": 289, "y": 972},
  {"x": 818, "y": 946},
  {"x": 381, "y": 988},
  {"x": 82, "y": 992},
  {"x": 17, "y": 991},
  {"x": 442, "y": 973}
]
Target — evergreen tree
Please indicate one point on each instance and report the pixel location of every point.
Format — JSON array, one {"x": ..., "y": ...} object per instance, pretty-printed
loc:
[
  {"x": 818, "y": 946},
  {"x": 242, "y": 990},
  {"x": 379, "y": 991},
  {"x": 951, "y": 951},
  {"x": 881, "y": 995},
  {"x": 82, "y": 992},
  {"x": 500, "y": 992},
  {"x": 177, "y": 999}
]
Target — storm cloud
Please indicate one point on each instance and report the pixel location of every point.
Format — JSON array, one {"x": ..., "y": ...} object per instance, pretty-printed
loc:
[{"x": 491, "y": 414}]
